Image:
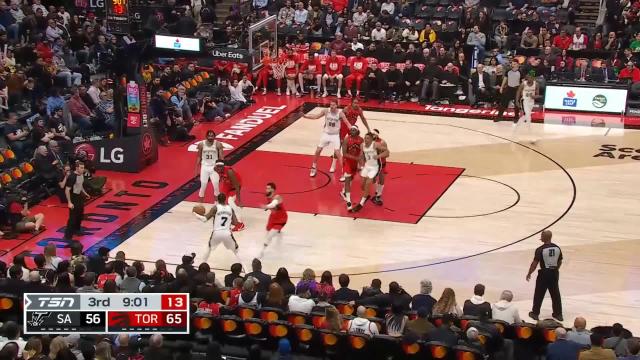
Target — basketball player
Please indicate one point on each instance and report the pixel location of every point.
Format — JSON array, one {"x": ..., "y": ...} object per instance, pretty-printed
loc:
[
  {"x": 357, "y": 69},
  {"x": 352, "y": 112},
  {"x": 223, "y": 218},
  {"x": 230, "y": 183},
  {"x": 277, "y": 218},
  {"x": 383, "y": 163},
  {"x": 209, "y": 152},
  {"x": 372, "y": 152},
  {"x": 330, "y": 134},
  {"x": 310, "y": 70},
  {"x": 291, "y": 70},
  {"x": 526, "y": 96},
  {"x": 352, "y": 154},
  {"x": 333, "y": 70}
]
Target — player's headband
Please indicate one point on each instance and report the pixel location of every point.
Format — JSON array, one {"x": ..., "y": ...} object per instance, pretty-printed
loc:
[
  {"x": 354, "y": 127},
  {"x": 219, "y": 163},
  {"x": 376, "y": 131}
]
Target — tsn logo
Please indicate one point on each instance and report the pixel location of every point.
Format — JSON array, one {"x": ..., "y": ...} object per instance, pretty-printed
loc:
[{"x": 56, "y": 302}]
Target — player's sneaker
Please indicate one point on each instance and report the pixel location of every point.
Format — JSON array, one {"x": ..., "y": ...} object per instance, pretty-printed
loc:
[
  {"x": 342, "y": 178},
  {"x": 313, "y": 171},
  {"x": 238, "y": 227},
  {"x": 356, "y": 208},
  {"x": 288, "y": 92},
  {"x": 325, "y": 94},
  {"x": 377, "y": 200},
  {"x": 332, "y": 169},
  {"x": 338, "y": 95},
  {"x": 349, "y": 207}
]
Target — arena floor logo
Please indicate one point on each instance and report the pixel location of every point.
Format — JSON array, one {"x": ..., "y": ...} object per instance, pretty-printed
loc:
[
  {"x": 232, "y": 136},
  {"x": 614, "y": 152}
]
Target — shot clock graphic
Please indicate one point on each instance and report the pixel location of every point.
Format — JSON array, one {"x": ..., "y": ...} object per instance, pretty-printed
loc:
[{"x": 89, "y": 313}]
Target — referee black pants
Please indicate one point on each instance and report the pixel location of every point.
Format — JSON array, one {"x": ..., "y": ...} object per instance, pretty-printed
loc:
[
  {"x": 75, "y": 216},
  {"x": 547, "y": 280},
  {"x": 507, "y": 96}
]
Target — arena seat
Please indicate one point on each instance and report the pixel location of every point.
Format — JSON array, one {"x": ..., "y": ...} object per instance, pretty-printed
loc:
[
  {"x": 467, "y": 353},
  {"x": 333, "y": 342},
  {"x": 256, "y": 330},
  {"x": 359, "y": 346},
  {"x": 344, "y": 307},
  {"x": 438, "y": 350},
  {"x": 386, "y": 346},
  {"x": 317, "y": 319},
  {"x": 296, "y": 318},
  {"x": 246, "y": 311},
  {"x": 232, "y": 327},
  {"x": 306, "y": 337},
  {"x": 279, "y": 329},
  {"x": 271, "y": 314}
]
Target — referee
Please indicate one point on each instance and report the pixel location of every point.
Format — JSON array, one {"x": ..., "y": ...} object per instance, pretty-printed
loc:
[
  {"x": 74, "y": 189},
  {"x": 508, "y": 90},
  {"x": 549, "y": 256}
]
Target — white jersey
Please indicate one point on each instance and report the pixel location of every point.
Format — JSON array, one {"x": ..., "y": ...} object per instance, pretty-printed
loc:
[
  {"x": 528, "y": 91},
  {"x": 332, "y": 122},
  {"x": 222, "y": 221},
  {"x": 209, "y": 153},
  {"x": 370, "y": 155}
]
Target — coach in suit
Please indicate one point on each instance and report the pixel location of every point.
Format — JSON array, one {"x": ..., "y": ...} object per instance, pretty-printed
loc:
[{"x": 481, "y": 88}]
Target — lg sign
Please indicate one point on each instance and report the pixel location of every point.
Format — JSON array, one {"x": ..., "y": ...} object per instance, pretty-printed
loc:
[{"x": 117, "y": 156}]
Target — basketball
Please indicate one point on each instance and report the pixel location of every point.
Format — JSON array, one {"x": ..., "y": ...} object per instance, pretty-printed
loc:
[{"x": 199, "y": 209}]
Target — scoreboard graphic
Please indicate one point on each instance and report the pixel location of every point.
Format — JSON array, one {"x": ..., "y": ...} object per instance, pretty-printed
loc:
[{"x": 95, "y": 313}]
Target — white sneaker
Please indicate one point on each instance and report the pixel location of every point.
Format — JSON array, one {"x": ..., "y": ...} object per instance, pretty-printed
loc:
[
  {"x": 279, "y": 92},
  {"x": 313, "y": 171},
  {"x": 338, "y": 95},
  {"x": 332, "y": 169},
  {"x": 342, "y": 178},
  {"x": 288, "y": 92},
  {"x": 325, "y": 94}
]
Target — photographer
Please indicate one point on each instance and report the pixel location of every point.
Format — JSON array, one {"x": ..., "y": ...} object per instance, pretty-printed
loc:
[
  {"x": 22, "y": 220},
  {"x": 211, "y": 111},
  {"x": 50, "y": 169}
]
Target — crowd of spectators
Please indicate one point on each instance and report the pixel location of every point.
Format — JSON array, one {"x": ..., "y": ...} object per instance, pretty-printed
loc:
[{"x": 310, "y": 295}]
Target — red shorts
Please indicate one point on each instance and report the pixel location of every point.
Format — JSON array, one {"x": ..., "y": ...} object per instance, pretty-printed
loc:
[
  {"x": 290, "y": 72},
  {"x": 273, "y": 226},
  {"x": 350, "y": 167}
]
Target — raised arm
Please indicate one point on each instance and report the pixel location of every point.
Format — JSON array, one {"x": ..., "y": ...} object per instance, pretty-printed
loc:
[{"x": 316, "y": 116}]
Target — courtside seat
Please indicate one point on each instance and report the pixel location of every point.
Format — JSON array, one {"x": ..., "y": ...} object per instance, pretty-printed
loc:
[
  {"x": 317, "y": 319},
  {"x": 256, "y": 330},
  {"x": 386, "y": 346},
  {"x": 246, "y": 311},
  {"x": 232, "y": 328},
  {"x": 271, "y": 314},
  {"x": 344, "y": 307},
  {"x": 467, "y": 353},
  {"x": 464, "y": 321},
  {"x": 307, "y": 337},
  {"x": 359, "y": 346},
  {"x": 297, "y": 318},
  {"x": 333, "y": 342},
  {"x": 439, "y": 350}
]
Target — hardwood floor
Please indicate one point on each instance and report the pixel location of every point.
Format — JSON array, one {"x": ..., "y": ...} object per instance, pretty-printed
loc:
[{"x": 483, "y": 229}]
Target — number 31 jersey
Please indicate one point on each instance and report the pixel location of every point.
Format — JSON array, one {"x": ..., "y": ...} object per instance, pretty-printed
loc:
[{"x": 222, "y": 221}]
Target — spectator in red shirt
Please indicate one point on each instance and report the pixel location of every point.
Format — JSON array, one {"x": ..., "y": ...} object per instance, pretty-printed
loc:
[
  {"x": 629, "y": 73},
  {"x": 80, "y": 112},
  {"x": 326, "y": 285},
  {"x": 110, "y": 274},
  {"x": 562, "y": 41},
  {"x": 338, "y": 5},
  {"x": 234, "y": 294},
  {"x": 210, "y": 303},
  {"x": 339, "y": 44}
]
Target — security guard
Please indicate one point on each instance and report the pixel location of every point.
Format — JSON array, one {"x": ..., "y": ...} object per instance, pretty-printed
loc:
[{"x": 549, "y": 256}]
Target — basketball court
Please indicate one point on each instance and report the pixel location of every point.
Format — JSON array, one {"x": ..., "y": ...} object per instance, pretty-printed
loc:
[{"x": 465, "y": 202}]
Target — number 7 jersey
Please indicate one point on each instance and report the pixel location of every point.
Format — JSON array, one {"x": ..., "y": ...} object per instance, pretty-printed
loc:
[{"x": 222, "y": 220}]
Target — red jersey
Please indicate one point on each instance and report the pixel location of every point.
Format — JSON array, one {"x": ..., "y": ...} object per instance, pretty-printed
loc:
[
  {"x": 334, "y": 66},
  {"x": 290, "y": 63},
  {"x": 352, "y": 117},
  {"x": 311, "y": 65},
  {"x": 226, "y": 186},
  {"x": 209, "y": 308},
  {"x": 277, "y": 218},
  {"x": 354, "y": 145},
  {"x": 359, "y": 65}
]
